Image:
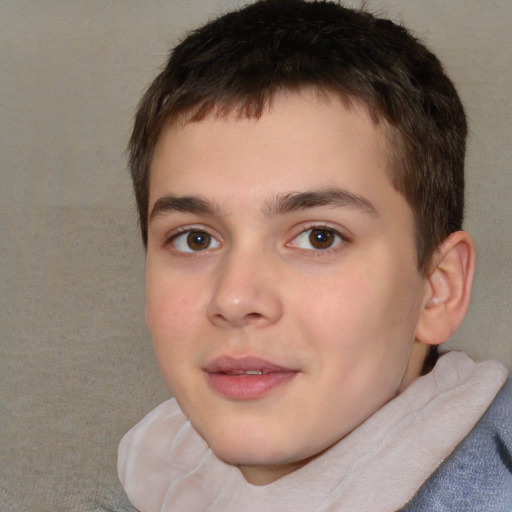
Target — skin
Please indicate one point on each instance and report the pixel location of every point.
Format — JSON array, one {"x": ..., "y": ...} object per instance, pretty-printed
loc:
[{"x": 342, "y": 316}]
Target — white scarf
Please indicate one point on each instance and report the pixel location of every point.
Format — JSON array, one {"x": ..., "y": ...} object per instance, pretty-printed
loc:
[{"x": 164, "y": 465}]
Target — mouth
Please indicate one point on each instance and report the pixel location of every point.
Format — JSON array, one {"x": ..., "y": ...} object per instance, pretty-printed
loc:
[
  {"x": 248, "y": 378},
  {"x": 244, "y": 372}
]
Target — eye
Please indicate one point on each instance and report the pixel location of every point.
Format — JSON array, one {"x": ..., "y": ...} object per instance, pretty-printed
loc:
[
  {"x": 194, "y": 241},
  {"x": 319, "y": 239}
]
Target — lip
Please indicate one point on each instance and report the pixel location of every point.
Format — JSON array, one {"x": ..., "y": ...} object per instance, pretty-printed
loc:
[{"x": 226, "y": 375}]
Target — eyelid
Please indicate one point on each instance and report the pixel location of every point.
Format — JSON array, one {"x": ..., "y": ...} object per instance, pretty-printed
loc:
[
  {"x": 183, "y": 230},
  {"x": 304, "y": 228}
]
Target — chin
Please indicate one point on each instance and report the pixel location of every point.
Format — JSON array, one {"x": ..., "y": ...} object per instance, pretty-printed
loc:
[{"x": 251, "y": 450}]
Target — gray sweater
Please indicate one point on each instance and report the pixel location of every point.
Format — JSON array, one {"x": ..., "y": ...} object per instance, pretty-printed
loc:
[{"x": 477, "y": 477}]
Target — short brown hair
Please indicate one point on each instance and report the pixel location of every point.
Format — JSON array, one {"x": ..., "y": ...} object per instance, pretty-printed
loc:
[{"x": 240, "y": 60}]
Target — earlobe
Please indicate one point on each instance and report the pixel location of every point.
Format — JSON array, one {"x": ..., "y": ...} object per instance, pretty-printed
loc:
[{"x": 448, "y": 289}]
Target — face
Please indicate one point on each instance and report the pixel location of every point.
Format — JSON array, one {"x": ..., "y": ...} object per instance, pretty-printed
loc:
[{"x": 282, "y": 285}]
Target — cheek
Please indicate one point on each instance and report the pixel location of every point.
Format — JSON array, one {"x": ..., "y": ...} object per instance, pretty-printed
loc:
[
  {"x": 173, "y": 307},
  {"x": 342, "y": 307},
  {"x": 361, "y": 314}
]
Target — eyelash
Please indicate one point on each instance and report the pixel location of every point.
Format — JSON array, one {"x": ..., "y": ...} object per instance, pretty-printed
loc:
[
  {"x": 188, "y": 230},
  {"x": 337, "y": 234},
  {"x": 338, "y": 239}
]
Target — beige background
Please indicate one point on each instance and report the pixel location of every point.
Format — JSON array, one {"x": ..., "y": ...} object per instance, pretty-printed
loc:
[{"x": 76, "y": 364}]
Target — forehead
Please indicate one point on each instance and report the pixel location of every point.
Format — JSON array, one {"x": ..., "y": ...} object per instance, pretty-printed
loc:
[
  {"x": 306, "y": 140},
  {"x": 295, "y": 127}
]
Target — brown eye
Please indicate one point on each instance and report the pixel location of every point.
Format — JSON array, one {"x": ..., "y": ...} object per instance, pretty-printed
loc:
[
  {"x": 321, "y": 238},
  {"x": 194, "y": 241},
  {"x": 318, "y": 239},
  {"x": 198, "y": 240}
]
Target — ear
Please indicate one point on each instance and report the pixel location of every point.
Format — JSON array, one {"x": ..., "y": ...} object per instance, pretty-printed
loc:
[{"x": 448, "y": 289}]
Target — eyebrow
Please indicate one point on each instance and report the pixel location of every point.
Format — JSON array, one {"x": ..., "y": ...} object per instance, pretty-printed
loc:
[
  {"x": 280, "y": 205},
  {"x": 187, "y": 204},
  {"x": 332, "y": 197}
]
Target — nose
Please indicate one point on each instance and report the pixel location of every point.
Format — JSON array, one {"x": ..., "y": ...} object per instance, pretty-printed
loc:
[{"x": 246, "y": 292}]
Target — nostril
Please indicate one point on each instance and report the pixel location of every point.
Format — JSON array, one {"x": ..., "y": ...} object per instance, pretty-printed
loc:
[
  {"x": 252, "y": 318},
  {"x": 247, "y": 319},
  {"x": 254, "y": 315}
]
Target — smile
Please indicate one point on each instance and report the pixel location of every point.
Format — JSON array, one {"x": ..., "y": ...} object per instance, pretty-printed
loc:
[{"x": 247, "y": 378}]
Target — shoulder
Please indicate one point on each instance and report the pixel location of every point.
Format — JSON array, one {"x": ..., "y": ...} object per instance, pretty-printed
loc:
[{"x": 478, "y": 474}]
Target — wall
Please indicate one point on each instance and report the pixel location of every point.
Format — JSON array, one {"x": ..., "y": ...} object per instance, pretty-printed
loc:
[{"x": 77, "y": 368}]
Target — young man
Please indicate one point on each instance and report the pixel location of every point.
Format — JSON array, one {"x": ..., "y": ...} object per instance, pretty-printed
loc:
[{"x": 298, "y": 169}]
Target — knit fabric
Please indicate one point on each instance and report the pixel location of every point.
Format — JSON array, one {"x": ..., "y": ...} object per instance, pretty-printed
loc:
[{"x": 477, "y": 477}]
